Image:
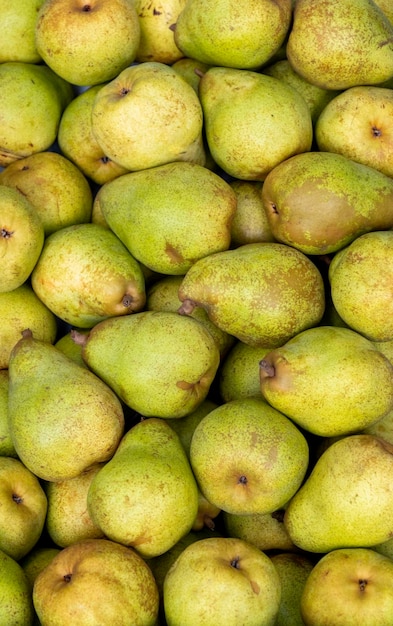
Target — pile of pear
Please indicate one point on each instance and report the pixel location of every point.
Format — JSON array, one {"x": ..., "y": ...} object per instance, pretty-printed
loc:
[{"x": 196, "y": 307}]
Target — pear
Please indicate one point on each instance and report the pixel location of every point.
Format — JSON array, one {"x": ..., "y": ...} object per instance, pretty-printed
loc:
[
  {"x": 261, "y": 293},
  {"x": 23, "y": 508},
  {"x": 96, "y": 581},
  {"x": 293, "y": 570},
  {"x": 337, "y": 44},
  {"x": 346, "y": 501},
  {"x": 32, "y": 102},
  {"x": 318, "y": 202},
  {"x": 20, "y": 309},
  {"x": 316, "y": 97},
  {"x": 110, "y": 31},
  {"x": 206, "y": 514},
  {"x": 148, "y": 100},
  {"x": 19, "y": 19},
  {"x": 191, "y": 70},
  {"x": 146, "y": 495},
  {"x": 16, "y": 602},
  {"x": 74, "y": 419},
  {"x": 247, "y": 457},
  {"x": 249, "y": 223},
  {"x": 238, "y": 376},
  {"x": 156, "y": 37},
  {"x": 163, "y": 295},
  {"x": 329, "y": 380},
  {"x": 265, "y": 530},
  {"x": 245, "y": 139},
  {"x": 361, "y": 285},
  {"x": 67, "y": 345},
  {"x": 78, "y": 143},
  {"x": 6, "y": 446},
  {"x": 21, "y": 238},
  {"x": 85, "y": 274},
  {"x": 349, "y": 586},
  {"x": 171, "y": 215},
  {"x": 386, "y": 7},
  {"x": 357, "y": 123},
  {"x": 56, "y": 188},
  {"x": 68, "y": 520},
  {"x": 185, "y": 426},
  {"x": 241, "y": 34},
  {"x": 160, "y": 364},
  {"x": 36, "y": 560}
]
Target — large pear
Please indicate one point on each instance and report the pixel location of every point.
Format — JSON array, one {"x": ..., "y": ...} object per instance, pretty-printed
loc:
[
  {"x": 252, "y": 121},
  {"x": 336, "y": 44},
  {"x": 262, "y": 293}
]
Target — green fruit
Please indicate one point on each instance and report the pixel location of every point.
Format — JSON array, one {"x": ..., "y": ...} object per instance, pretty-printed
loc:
[{"x": 16, "y": 606}]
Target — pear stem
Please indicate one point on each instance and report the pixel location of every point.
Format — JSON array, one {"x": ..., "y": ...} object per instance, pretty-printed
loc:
[
  {"x": 266, "y": 369},
  {"x": 27, "y": 333},
  {"x": 187, "y": 307},
  {"x": 79, "y": 338}
]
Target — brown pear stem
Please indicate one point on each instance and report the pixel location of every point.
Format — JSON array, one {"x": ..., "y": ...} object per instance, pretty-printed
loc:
[
  {"x": 187, "y": 307},
  {"x": 266, "y": 369},
  {"x": 208, "y": 522},
  {"x": 27, "y": 333},
  {"x": 199, "y": 72}
]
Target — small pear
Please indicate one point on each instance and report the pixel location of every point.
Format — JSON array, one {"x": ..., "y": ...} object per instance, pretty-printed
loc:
[
  {"x": 85, "y": 274},
  {"x": 74, "y": 419},
  {"x": 247, "y": 457},
  {"x": 346, "y": 501},
  {"x": 337, "y": 44},
  {"x": 329, "y": 380},
  {"x": 361, "y": 285},
  {"x": 261, "y": 293},
  {"x": 249, "y": 223},
  {"x": 16, "y": 601},
  {"x": 160, "y": 364},
  {"x": 78, "y": 143},
  {"x": 20, "y": 309},
  {"x": 157, "y": 41},
  {"x": 245, "y": 139},
  {"x": 56, "y": 188},
  {"x": 352, "y": 199},
  {"x": 264, "y": 530},
  {"x": 185, "y": 426},
  {"x": 146, "y": 495},
  {"x": 293, "y": 570},
  {"x": 170, "y": 216},
  {"x": 36, "y": 560},
  {"x": 6, "y": 446},
  {"x": 238, "y": 376},
  {"x": 240, "y": 33}
]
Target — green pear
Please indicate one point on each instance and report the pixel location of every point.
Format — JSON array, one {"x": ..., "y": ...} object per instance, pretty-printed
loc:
[
  {"x": 206, "y": 514},
  {"x": 77, "y": 142},
  {"x": 6, "y": 446},
  {"x": 349, "y": 586},
  {"x": 386, "y": 7},
  {"x": 241, "y": 34},
  {"x": 245, "y": 139},
  {"x": 329, "y": 380},
  {"x": 266, "y": 531},
  {"x": 293, "y": 570},
  {"x": 191, "y": 70},
  {"x": 110, "y": 31},
  {"x": 67, "y": 345},
  {"x": 337, "y": 44},
  {"x": 20, "y": 309},
  {"x": 56, "y": 188},
  {"x": 352, "y": 199},
  {"x": 146, "y": 495},
  {"x": 223, "y": 581},
  {"x": 316, "y": 97},
  {"x": 148, "y": 100},
  {"x": 85, "y": 275},
  {"x": 238, "y": 376},
  {"x": 21, "y": 238},
  {"x": 357, "y": 124},
  {"x": 346, "y": 501},
  {"x": 36, "y": 560},
  {"x": 68, "y": 520},
  {"x": 23, "y": 507},
  {"x": 160, "y": 364},
  {"x": 75, "y": 419},
  {"x": 32, "y": 102},
  {"x": 157, "y": 41},
  {"x": 261, "y": 293},
  {"x": 163, "y": 295},
  {"x": 18, "y": 19},
  {"x": 249, "y": 223},
  {"x": 16, "y": 606},
  {"x": 385, "y": 548},
  {"x": 361, "y": 278},
  {"x": 96, "y": 581},
  {"x": 171, "y": 215},
  {"x": 247, "y": 457}
]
